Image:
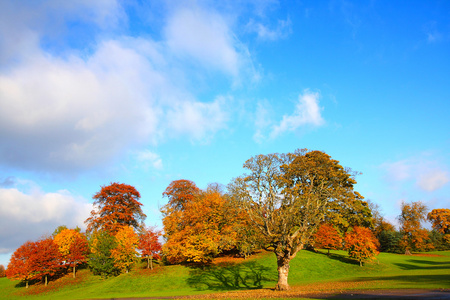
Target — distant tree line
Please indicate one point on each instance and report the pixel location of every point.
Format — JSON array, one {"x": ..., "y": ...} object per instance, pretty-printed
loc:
[{"x": 285, "y": 203}]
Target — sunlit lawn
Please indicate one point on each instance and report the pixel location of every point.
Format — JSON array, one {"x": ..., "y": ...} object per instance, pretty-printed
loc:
[{"x": 309, "y": 272}]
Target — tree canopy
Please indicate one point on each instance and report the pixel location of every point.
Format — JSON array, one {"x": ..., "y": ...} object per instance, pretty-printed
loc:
[
  {"x": 116, "y": 205},
  {"x": 287, "y": 196}
]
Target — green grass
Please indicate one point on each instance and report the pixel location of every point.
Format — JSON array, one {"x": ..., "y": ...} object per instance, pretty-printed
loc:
[{"x": 308, "y": 270}]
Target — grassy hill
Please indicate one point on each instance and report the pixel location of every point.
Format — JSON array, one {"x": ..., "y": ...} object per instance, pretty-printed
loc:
[{"x": 309, "y": 271}]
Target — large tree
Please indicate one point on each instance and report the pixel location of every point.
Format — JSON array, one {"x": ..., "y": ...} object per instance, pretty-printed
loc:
[
  {"x": 116, "y": 205},
  {"x": 287, "y": 196}
]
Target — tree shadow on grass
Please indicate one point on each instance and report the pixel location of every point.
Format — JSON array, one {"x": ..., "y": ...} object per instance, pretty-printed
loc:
[
  {"x": 249, "y": 275},
  {"x": 339, "y": 257},
  {"x": 424, "y": 265}
]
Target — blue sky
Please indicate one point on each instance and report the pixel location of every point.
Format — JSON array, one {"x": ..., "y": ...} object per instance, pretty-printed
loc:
[{"x": 146, "y": 92}]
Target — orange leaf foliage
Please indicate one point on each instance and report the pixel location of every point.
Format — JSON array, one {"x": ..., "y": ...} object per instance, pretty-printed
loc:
[
  {"x": 20, "y": 266},
  {"x": 327, "y": 237},
  {"x": 117, "y": 206},
  {"x": 440, "y": 219},
  {"x": 361, "y": 244},
  {"x": 414, "y": 236},
  {"x": 197, "y": 224}
]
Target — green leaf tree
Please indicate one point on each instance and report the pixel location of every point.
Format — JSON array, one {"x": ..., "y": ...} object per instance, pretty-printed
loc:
[{"x": 101, "y": 261}]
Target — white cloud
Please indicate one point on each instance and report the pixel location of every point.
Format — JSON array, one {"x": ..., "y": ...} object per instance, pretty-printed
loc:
[
  {"x": 264, "y": 32},
  {"x": 397, "y": 171},
  {"x": 147, "y": 157},
  {"x": 196, "y": 119},
  {"x": 27, "y": 216},
  {"x": 433, "y": 180},
  {"x": 206, "y": 37},
  {"x": 307, "y": 112},
  {"x": 83, "y": 108},
  {"x": 426, "y": 174}
]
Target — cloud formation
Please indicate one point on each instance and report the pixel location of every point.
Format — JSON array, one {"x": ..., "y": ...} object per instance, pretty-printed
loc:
[
  {"x": 307, "y": 112},
  {"x": 426, "y": 174},
  {"x": 74, "y": 109},
  {"x": 27, "y": 216}
]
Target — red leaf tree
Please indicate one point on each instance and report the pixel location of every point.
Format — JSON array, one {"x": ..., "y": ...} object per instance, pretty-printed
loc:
[
  {"x": 117, "y": 205},
  {"x": 47, "y": 259},
  {"x": 20, "y": 266},
  {"x": 149, "y": 245},
  {"x": 327, "y": 237},
  {"x": 361, "y": 244}
]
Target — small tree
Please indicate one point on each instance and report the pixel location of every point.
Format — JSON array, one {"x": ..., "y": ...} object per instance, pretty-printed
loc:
[
  {"x": 149, "y": 245},
  {"x": 2, "y": 271},
  {"x": 327, "y": 237},
  {"x": 361, "y": 244},
  {"x": 48, "y": 258},
  {"x": 73, "y": 246},
  {"x": 21, "y": 265},
  {"x": 125, "y": 253},
  {"x": 100, "y": 260}
]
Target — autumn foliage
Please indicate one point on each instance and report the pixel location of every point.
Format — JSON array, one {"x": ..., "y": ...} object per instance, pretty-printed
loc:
[
  {"x": 21, "y": 265},
  {"x": 361, "y": 244},
  {"x": 440, "y": 219},
  {"x": 35, "y": 260},
  {"x": 415, "y": 237},
  {"x": 73, "y": 247},
  {"x": 117, "y": 205},
  {"x": 327, "y": 237},
  {"x": 198, "y": 224},
  {"x": 149, "y": 245},
  {"x": 125, "y": 253}
]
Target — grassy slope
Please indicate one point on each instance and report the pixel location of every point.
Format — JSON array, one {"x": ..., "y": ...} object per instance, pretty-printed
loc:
[{"x": 392, "y": 271}]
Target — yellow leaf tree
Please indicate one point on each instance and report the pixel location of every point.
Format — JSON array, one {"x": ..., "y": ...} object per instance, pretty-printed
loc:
[
  {"x": 125, "y": 253},
  {"x": 73, "y": 246}
]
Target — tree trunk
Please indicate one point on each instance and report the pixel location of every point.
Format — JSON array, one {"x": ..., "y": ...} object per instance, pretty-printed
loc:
[
  {"x": 26, "y": 283},
  {"x": 151, "y": 263},
  {"x": 360, "y": 263},
  {"x": 283, "y": 272},
  {"x": 46, "y": 280},
  {"x": 148, "y": 262},
  {"x": 74, "y": 270}
]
